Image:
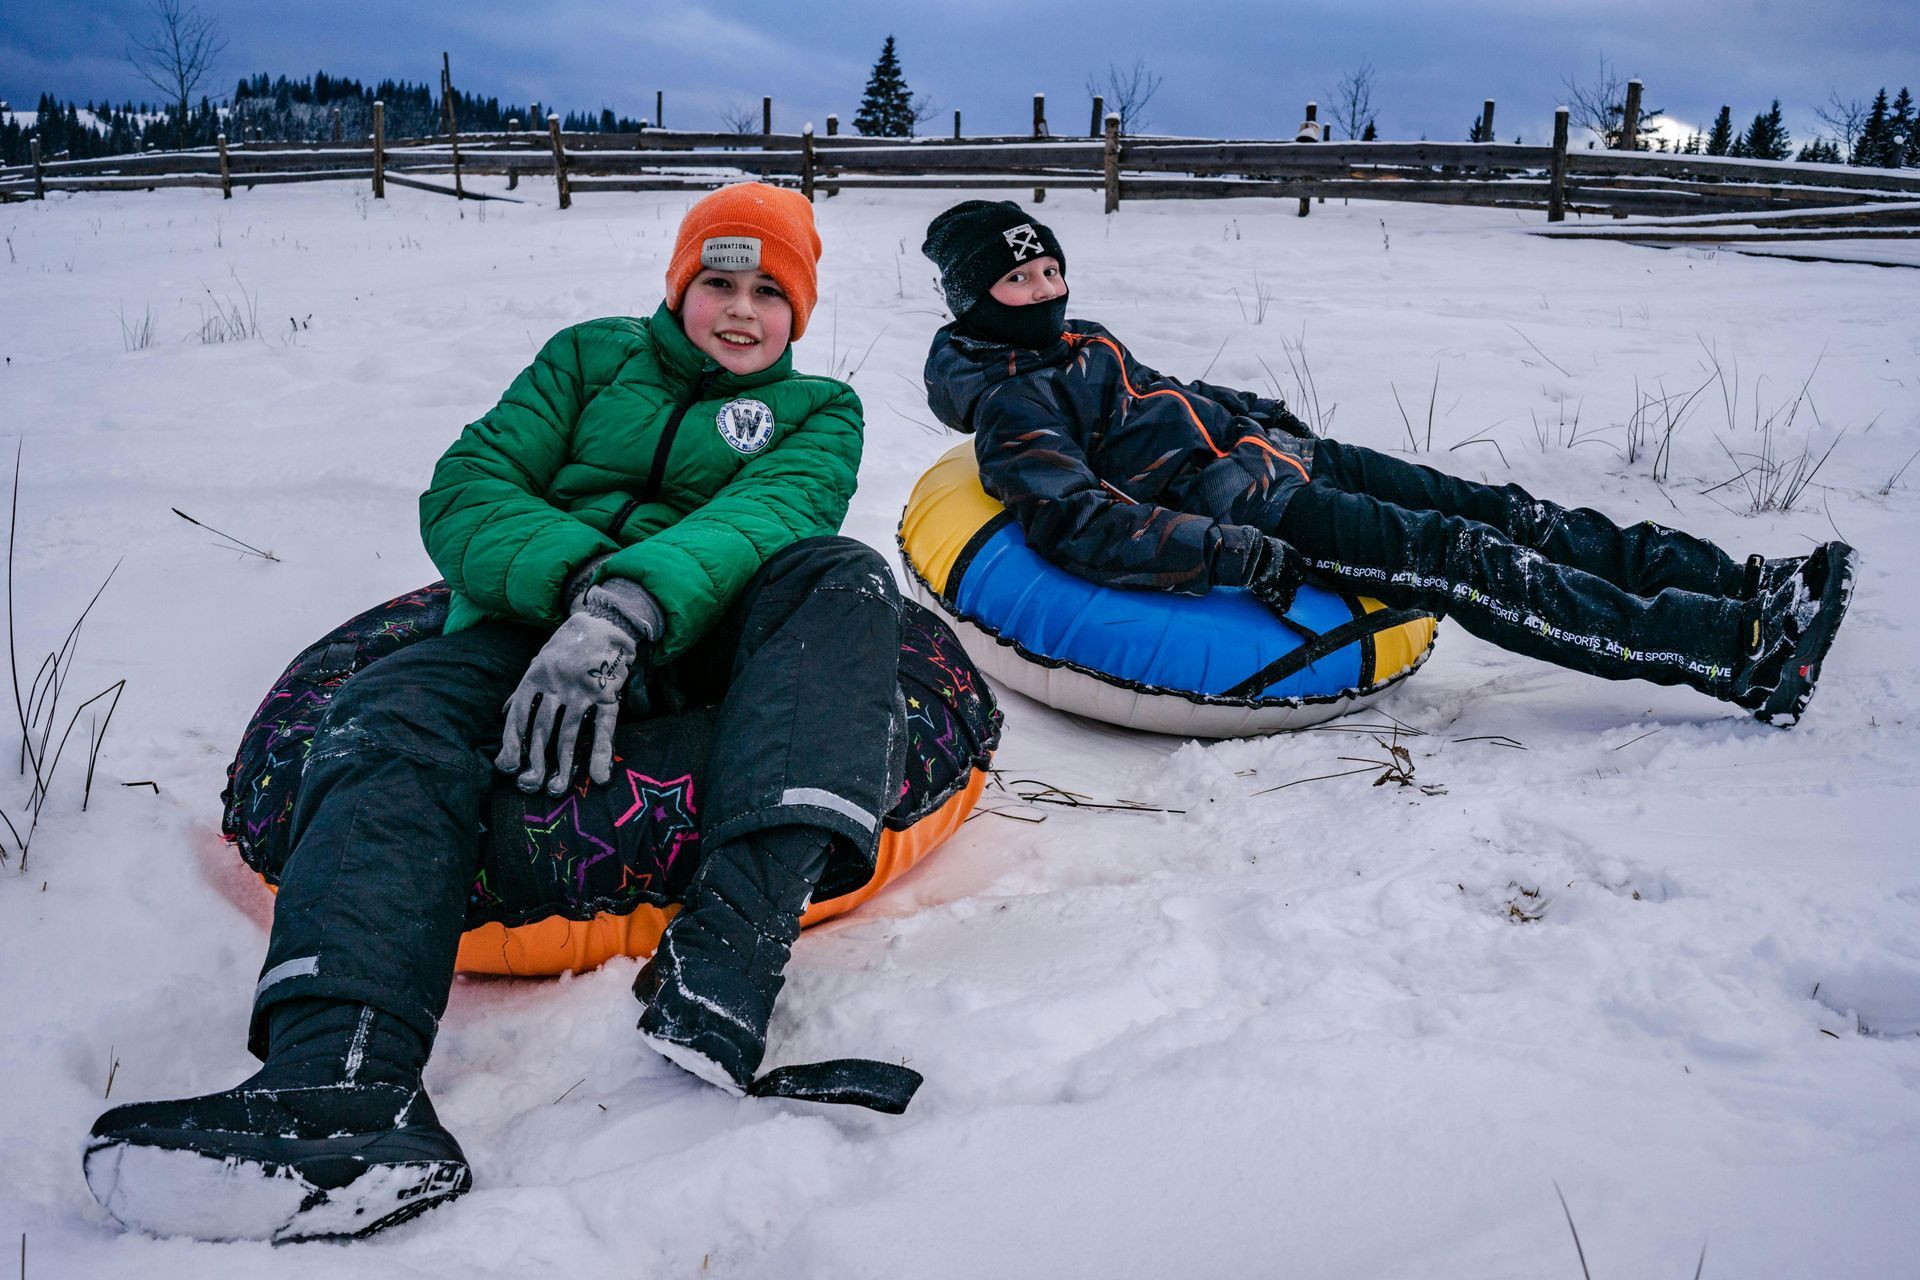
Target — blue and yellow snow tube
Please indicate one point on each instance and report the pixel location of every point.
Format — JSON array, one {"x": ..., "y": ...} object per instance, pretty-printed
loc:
[{"x": 1221, "y": 665}]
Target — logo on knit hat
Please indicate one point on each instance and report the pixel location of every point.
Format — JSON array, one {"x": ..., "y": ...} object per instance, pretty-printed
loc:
[
  {"x": 746, "y": 425},
  {"x": 1023, "y": 240},
  {"x": 731, "y": 253}
]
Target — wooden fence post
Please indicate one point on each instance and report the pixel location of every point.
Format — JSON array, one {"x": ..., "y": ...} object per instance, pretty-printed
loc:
[
  {"x": 833, "y": 131},
  {"x": 1486, "y": 121},
  {"x": 806, "y": 162},
  {"x": 1039, "y": 131},
  {"x": 1110, "y": 154},
  {"x": 559, "y": 162},
  {"x": 1557, "y": 176},
  {"x": 659, "y": 108},
  {"x": 766, "y": 116},
  {"x": 1099, "y": 116},
  {"x": 39, "y": 173},
  {"x": 226, "y": 175},
  {"x": 1309, "y": 132},
  {"x": 453, "y": 123},
  {"x": 1630, "y": 120},
  {"x": 956, "y": 124},
  {"x": 336, "y": 124},
  {"x": 379, "y": 151},
  {"x": 513, "y": 174}
]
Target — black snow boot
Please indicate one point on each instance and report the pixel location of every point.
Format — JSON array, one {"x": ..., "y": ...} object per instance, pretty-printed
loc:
[
  {"x": 1763, "y": 576},
  {"x": 1797, "y": 609},
  {"x": 333, "y": 1137},
  {"x": 710, "y": 987}
]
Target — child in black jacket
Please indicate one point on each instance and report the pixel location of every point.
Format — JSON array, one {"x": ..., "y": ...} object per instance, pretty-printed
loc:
[{"x": 1133, "y": 479}]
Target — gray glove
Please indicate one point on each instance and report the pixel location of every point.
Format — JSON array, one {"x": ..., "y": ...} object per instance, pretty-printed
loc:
[{"x": 583, "y": 667}]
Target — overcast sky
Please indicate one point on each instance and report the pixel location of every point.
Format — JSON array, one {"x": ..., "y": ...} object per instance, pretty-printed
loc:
[{"x": 1230, "y": 69}]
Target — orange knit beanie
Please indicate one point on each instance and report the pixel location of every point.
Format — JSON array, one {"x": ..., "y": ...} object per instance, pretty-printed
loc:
[{"x": 750, "y": 226}]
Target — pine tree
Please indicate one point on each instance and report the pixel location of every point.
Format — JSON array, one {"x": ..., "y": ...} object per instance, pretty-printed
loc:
[
  {"x": 1900, "y": 130},
  {"x": 1370, "y": 134},
  {"x": 1766, "y": 138},
  {"x": 1720, "y": 140},
  {"x": 1820, "y": 151},
  {"x": 1875, "y": 139},
  {"x": 886, "y": 108}
]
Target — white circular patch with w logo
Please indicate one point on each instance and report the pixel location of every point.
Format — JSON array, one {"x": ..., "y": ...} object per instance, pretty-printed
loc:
[{"x": 747, "y": 425}]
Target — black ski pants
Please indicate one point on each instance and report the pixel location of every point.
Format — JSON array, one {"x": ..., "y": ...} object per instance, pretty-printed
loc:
[
  {"x": 388, "y": 827},
  {"x": 1564, "y": 585}
]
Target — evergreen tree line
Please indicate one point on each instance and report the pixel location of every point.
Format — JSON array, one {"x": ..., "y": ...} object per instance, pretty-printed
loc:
[
  {"x": 114, "y": 129},
  {"x": 1887, "y": 138},
  {"x": 283, "y": 110},
  {"x": 275, "y": 109}
]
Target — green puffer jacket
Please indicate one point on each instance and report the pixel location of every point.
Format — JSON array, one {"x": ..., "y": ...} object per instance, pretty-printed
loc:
[{"x": 623, "y": 440}]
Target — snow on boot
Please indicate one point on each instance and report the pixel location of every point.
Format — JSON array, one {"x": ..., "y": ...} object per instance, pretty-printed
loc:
[
  {"x": 1764, "y": 576},
  {"x": 1793, "y": 625},
  {"x": 333, "y": 1137},
  {"x": 711, "y": 985}
]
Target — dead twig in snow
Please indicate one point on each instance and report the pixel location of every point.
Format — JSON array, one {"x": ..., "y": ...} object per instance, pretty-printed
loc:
[
  {"x": 1537, "y": 351},
  {"x": 1642, "y": 738},
  {"x": 1497, "y": 739},
  {"x": 1050, "y": 794},
  {"x": 1297, "y": 782},
  {"x": 36, "y": 711},
  {"x": 247, "y": 547},
  {"x": 1576, "y": 1231}
]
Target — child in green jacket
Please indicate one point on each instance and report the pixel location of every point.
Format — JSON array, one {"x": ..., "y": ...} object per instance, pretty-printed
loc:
[{"x": 645, "y": 512}]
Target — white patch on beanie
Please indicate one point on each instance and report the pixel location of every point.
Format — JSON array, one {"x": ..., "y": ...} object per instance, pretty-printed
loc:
[
  {"x": 1024, "y": 241},
  {"x": 730, "y": 253}
]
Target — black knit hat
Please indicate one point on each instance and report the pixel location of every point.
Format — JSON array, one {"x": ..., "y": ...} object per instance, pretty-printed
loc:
[{"x": 978, "y": 241}]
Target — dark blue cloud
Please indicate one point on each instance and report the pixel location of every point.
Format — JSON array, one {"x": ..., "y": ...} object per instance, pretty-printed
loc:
[{"x": 1240, "y": 69}]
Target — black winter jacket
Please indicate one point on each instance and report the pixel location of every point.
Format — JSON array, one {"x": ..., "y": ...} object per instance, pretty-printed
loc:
[{"x": 1115, "y": 472}]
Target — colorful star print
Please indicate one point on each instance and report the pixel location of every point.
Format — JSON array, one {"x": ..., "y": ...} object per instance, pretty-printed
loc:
[{"x": 669, "y": 806}]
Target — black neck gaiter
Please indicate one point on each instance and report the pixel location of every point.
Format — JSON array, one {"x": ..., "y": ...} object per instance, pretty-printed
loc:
[{"x": 1036, "y": 326}]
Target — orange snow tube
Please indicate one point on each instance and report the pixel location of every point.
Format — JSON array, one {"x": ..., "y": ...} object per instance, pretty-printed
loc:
[
  {"x": 557, "y": 945},
  {"x": 555, "y": 897}
]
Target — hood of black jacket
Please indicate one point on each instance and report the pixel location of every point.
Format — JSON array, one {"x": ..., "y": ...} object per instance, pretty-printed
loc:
[{"x": 962, "y": 368}]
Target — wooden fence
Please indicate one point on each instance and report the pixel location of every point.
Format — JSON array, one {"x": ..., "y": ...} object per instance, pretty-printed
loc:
[{"x": 1553, "y": 179}]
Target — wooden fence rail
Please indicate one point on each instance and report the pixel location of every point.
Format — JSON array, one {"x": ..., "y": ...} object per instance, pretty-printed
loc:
[{"x": 1550, "y": 178}]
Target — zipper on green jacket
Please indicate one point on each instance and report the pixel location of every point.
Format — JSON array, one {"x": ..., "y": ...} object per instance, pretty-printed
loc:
[{"x": 657, "y": 477}]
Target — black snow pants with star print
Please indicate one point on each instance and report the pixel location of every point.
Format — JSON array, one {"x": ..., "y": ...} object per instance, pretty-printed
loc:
[{"x": 798, "y": 681}]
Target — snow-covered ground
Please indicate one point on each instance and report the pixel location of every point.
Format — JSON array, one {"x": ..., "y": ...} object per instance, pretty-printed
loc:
[{"x": 1618, "y": 937}]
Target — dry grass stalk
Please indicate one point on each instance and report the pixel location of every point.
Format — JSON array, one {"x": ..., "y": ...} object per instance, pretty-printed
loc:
[{"x": 37, "y": 709}]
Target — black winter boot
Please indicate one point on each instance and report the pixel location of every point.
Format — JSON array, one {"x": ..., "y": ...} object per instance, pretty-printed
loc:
[
  {"x": 332, "y": 1137},
  {"x": 1764, "y": 576},
  {"x": 710, "y": 987},
  {"x": 1798, "y": 606}
]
